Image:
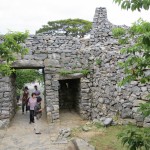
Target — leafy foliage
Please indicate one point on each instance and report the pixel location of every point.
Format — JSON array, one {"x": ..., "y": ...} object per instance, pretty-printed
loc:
[
  {"x": 138, "y": 51},
  {"x": 133, "y": 4},
  {"x": 66, "y": 72},
  {"x": 117, "y": 32},
  {"x": 11, "y": 45},
  {"x": 136, "y": 41},
  {"x": 135, "y": 138},
  {"x": 73, "y": 27},
  {"x": 145, "y": 109},
  {"x": 98, "y": 61},
  {"x": 27, "y": 76}
]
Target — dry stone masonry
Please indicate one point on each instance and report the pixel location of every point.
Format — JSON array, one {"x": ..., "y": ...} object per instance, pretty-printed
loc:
[{"x": 95, "y": 96}]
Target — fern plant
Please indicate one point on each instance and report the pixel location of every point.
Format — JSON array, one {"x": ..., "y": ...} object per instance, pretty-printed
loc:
[{"x": 135, "y": 138}]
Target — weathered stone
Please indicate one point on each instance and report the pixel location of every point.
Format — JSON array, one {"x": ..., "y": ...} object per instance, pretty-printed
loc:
[
  {"x": 144, "y": 89},
  {"x": 63, "y": 134},
  {"x": 40, "y": 56},
  {"x": 80, "y": 144},
  {"x": 127, "y": 105},
  {"x": 138, "y": 118},
  {"x": 135, "y": 109},
  {"x": 126, "y": 113},
  {"x": 144, "y": 95},
  {"x": 146, "y": 125},
  {"x": 139, "y": 124},
  {"x": 147, "y": 119},
  {"x": 1, "y": 95},
  {"x": 129, "y": 122},
  {"x": 51, "y": 63},
  {"x": 136, "y": 89},
  {"x": 28, "y": 64},
  {"x": 86, "y": 129},
  {"x": 4, "y": 123},
  {"x": 107, "y": 121},
  {"x": 137, "y": 103}
]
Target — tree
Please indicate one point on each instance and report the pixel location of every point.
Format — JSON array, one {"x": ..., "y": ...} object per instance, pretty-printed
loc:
[
  {"x": 133, "y": 4},
  {"x": 136, "y": 41},
  {"x": 11, "y": 44},
  {"x": 73, "y": 27},
  {"x": 27, "y": 76}
]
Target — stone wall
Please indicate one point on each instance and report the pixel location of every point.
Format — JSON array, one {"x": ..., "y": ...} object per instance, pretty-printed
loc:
[
  {"x": 109, "y": 100},
  {"x": 100, "y": 97},
  {"x": 55, "y": 54},
  {"x": 7, "y": 100}
]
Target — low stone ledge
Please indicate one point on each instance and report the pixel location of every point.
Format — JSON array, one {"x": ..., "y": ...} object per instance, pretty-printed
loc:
[
  {"x": 28, "y": 64},
  {"x": 71, "y": 76},
  {"x": 80, "y": 144}
]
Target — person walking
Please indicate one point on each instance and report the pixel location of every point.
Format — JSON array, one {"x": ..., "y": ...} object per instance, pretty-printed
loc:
[
  {"x": 37, "y": 116},
  {"x": 31, "y": 103},
  {"x": 25, "y": 99},
  {"x": 37, "y": 92}
]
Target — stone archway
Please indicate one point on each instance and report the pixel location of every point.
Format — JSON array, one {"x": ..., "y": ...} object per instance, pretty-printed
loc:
[{"x": 67, "y": 92}]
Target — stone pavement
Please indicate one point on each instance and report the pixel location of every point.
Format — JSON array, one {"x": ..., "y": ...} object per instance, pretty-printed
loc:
[{"x": 20, "y": 135}]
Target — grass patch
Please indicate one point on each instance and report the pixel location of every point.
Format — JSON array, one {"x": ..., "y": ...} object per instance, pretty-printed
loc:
[
  {"x": 108, "y": 140},
  {"x": 98, "y": 62},
  {"x": 100, "y": 137}
]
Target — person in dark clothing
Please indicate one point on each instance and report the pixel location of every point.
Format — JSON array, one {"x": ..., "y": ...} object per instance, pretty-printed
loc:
[
  {"x": 25, "y": 99},
  {"x": 37, "y": 92},
  {"x": 18, "y": 98},
  {"x": 37, "y": 116}
]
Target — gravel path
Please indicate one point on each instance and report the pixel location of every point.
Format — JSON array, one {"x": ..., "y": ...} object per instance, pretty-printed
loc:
[{"x": 20, "y": 135}]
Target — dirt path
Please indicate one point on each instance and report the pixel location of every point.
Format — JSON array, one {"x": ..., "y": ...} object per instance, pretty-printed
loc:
[{"x": 20, "y": 135}]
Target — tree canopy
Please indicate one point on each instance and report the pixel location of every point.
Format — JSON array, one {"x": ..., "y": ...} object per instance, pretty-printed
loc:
[
  {"x": 133, "y": 4},
  {"x": 73, "y": 27},
  {"x": 11, "y": 44},
  {"x": 136, "y": 43},
  {"x": 24, "y": 76},
  {"x": 137, "y": 65}
]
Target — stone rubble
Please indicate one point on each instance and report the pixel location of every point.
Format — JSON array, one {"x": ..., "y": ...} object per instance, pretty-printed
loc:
[{"x": 63, "y": 135}]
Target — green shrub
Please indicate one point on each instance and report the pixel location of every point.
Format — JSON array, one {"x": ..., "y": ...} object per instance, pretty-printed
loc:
[
  {"x": 145, "y": 109},
  {"x": 85, "y": 72},
  {"x": 135, "y": 138},
  {"x": 117, "y": 32}
]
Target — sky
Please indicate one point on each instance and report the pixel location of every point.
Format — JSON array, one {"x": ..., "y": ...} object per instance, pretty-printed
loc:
[{"x": 21, "y": 15}]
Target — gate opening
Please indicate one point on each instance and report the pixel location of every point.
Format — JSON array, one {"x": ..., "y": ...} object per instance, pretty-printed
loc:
[
  {"x": 28, "y": 78},
  {"x": 69, "y": 94}
]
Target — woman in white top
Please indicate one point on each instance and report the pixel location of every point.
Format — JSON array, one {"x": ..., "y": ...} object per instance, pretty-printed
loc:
[{"x": 32, "y": 102}]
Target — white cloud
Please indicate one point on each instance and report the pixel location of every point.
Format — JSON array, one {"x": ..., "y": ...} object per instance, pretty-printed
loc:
[{"x": 20, "y": 15}]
